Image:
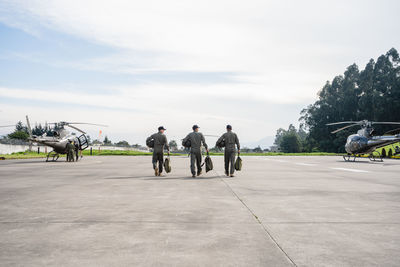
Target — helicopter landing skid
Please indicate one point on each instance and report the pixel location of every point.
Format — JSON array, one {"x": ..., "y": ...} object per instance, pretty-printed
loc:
[
  {"x": 53, "y": 155},
  {"x": 349, "y": 158},
  {"x": 374, "y": 158}
]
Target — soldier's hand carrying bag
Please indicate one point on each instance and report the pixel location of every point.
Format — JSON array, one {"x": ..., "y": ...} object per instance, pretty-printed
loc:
[
  {"x": 167, "y": 165},
  {"x": 238, "y": 163}
]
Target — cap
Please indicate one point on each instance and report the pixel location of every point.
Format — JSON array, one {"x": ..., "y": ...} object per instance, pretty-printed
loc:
[
  {"x": 161, "y": 128},
  {"x": 229, "y": 127},
  {"x": 195, "y": 127}
]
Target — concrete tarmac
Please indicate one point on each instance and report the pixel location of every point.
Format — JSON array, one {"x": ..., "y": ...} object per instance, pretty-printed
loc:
[{"x": 278, "y": 211}]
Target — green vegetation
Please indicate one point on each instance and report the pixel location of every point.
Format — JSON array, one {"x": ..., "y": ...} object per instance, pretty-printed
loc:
[
  {"x": 20, "y": 132},
  {"x": 290, "y": 140},
  {"x": 24, "y": 155}
]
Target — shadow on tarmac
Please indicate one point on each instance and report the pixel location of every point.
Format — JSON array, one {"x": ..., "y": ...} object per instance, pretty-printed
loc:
[
  {"x": 162, "y": 178},
  {"x": 183, "y": 178}
]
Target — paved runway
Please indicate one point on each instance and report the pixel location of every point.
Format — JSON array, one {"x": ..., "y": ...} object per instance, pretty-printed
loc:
[{"x": 278, "y": 211}]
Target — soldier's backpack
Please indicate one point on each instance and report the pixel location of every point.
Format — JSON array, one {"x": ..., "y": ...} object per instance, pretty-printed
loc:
[
  {"x": 220, "y": 144},
  {"x": 150, "y": 142},
  {"x": 186, "y": 143},
  {"x": 167, "y": 165},
  {"x": 209, "y": 163},
  {"x": 238, "y": 164}
]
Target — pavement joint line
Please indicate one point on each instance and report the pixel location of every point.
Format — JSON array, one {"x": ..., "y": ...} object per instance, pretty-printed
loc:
[
  {"x": 257, "y": 219},
  {"x": 346, "y": 169}
]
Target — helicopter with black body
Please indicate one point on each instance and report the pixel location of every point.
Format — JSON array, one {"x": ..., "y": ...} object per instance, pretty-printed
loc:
[
  {"x": 60, "y": 138},
  {"x": 364, "y": 142}
]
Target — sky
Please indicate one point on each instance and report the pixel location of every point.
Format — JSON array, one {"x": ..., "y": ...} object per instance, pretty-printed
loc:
[{"x": 136, "y": 65}]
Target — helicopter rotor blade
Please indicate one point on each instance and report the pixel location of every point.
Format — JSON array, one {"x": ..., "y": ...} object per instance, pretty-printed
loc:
[
  {"x": 344, "y": 122},
  {"x": 76, "y": 128},
  {"x": 210, "y": 135},
  {"x": 386, "y": 122},
  {"x": 95, "y": 124},
  {"x": 392, "y": 132},
  {"x": 3, "y": 126},
  {"x": 67, "y": 123},
  {"x": 345, "y": 127}
]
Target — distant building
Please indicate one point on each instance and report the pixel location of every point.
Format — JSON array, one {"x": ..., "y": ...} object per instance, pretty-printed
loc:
[{"x": 274, "y": 149}]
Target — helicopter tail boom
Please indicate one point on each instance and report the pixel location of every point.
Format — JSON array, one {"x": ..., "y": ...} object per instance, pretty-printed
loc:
[{"x": 29, "y": 126}]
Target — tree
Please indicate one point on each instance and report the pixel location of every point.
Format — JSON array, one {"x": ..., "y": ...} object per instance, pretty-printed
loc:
[
  {"x": 290, "y": 140},
  {"x": 20, "y": 132},
  {"x": 278, "y": 137},
  {"x": 290, "y": 143},
  {"x": 173, "y": 145},
  {"x": 257, "y": 150},
  {"x": 20, "y": 127},
  {"x": 122, "y": 144},
  {"x": 19, "y": 135},
  {"x": 107, "y": 141}
]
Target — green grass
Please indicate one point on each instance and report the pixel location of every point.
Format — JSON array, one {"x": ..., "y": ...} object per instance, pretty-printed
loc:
[{"x": 23, "y": 155}]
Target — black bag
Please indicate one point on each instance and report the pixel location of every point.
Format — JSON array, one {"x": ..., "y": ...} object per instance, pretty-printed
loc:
[
  {"x": 220, "y": 144},
  {"x": 238, "y": 164},
  {"x": 209, "y": 163},
  {"x": 167, "y": 165},
  {"x": 150, "y": 142},
  {"x": 186, "y": 143}
]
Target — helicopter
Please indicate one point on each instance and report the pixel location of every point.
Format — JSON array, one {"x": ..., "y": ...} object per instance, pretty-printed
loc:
[
  {"x": 364, "y": 142},
  {"x": 61, "y": 137}
]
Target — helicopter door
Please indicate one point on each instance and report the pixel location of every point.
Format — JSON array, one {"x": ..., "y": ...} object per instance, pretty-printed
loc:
[{"x": 83, "y": 142}]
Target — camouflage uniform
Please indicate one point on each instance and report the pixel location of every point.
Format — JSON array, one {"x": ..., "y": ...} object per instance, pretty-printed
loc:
[
  {"x": 70, "y": 152},
  {"x": 196, "y": 139},
  {"x": 160, "y": 140},
  {"x": 231, "y": 140}
]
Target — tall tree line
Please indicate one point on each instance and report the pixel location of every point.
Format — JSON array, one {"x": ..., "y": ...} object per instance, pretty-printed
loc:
[{"x": 372, "y": 94}]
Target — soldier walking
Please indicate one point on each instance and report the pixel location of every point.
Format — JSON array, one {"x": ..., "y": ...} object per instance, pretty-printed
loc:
[
  {"x": 230, "y": 139},
  {"x": 196, "y": 140},
  {"x": 160, "y": 140}
]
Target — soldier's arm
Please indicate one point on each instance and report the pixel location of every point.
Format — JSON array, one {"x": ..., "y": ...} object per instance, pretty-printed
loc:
[
  {"x": 166, "y": 143},
  {"x": 237, "y": 142},
  {"x": 221, "y": 138},
  {"x": 203, "y": 140}
]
